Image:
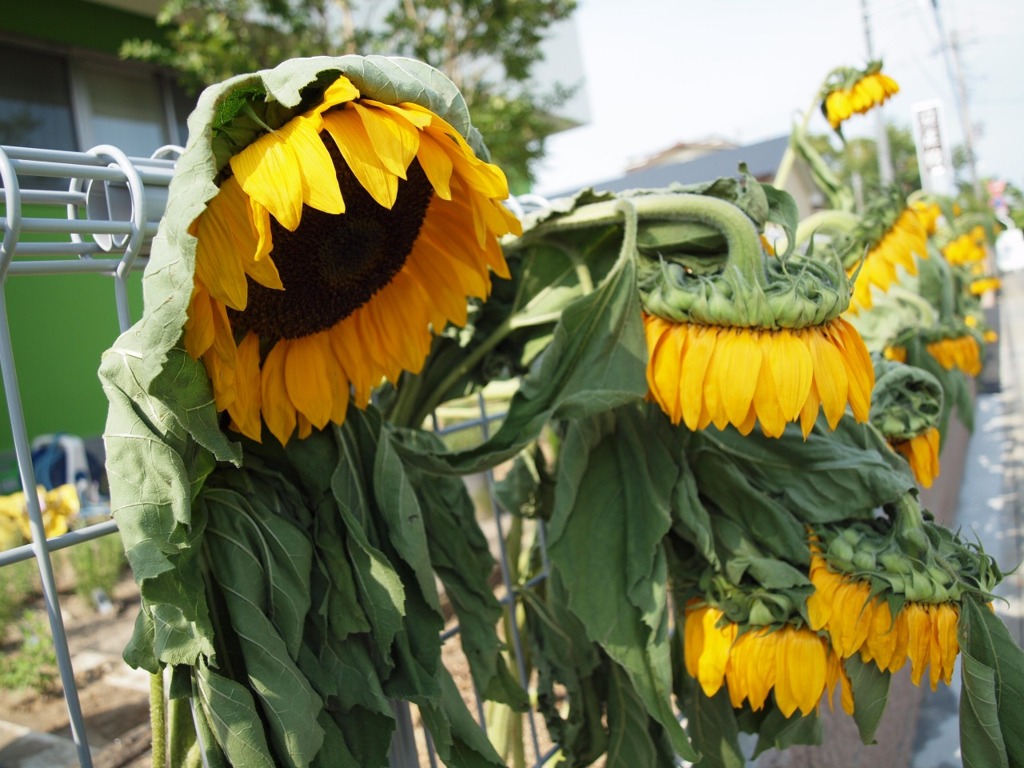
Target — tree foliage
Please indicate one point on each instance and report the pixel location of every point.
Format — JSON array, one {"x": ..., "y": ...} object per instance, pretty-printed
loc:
[
  {"x": 487, "y": 48},
  {"x": 859, "y": 157}
]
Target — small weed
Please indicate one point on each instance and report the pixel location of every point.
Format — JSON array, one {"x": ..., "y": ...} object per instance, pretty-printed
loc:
[
  {"x": 34, "y": 664},
  {"x": 19, "y": 583},
  {"x": 97, "y": 564}
]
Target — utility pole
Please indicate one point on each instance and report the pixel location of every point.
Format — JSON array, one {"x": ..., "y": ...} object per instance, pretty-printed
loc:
[
  {"x": 951, "y": 55},
  {"x": 885, "y": 171}
]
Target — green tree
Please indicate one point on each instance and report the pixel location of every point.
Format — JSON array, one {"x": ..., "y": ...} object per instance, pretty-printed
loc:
[
  {"x": 859, "y": 157},
  {"x": 487, "y": 47}
]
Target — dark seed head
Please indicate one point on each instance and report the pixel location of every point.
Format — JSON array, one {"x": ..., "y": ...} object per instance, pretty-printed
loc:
[{"x": 331, "y": 265}]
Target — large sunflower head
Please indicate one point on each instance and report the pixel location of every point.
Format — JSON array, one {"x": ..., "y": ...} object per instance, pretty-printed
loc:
[
  {"x": 745, "y": 336},
  {"x": 351, "y": 218},
  {"x": 849, "y": 91}
]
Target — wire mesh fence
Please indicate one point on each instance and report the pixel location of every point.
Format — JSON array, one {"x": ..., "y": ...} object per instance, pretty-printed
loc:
[{"x": 95, "y": 212}]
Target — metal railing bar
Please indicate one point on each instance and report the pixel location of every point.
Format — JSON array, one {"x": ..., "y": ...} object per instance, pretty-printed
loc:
[
  {"x": 506, "y": 578},
  {"x": 57, "y": 249},
  {"x": 83, "y": 266},
  {"x": 431, "y": 751},
  {"x": 69, "y": 539},
  {"x": 52, "y": 197},
  {"x": 76, "y": 226},
  {"x": 63, "y": 170},
  {"x": 65, "y": 156},
  {"x": 51, "y": 599}
]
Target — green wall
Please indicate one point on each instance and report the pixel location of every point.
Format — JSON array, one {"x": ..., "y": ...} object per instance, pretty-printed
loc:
[
  {"x": 76, "y": 23},
  {"x": 60, "y": 326}
]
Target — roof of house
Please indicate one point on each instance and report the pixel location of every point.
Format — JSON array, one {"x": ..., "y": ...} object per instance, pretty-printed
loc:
[{"x": 762, "y": 161}]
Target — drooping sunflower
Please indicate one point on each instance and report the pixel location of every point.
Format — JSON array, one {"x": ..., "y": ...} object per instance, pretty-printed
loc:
[
  {"x": 796, "y": 663},
  {"x": 757, "y": 339},
  {"x": 703, "y": 375},
  {"x": 860, "y": 622},
  {"x": 968, "y": 248},
  {"x": 928, "y": 212},
  {"x": 922, "y": 453},
  {"x": 851, "y": 91},
  {"x": 338, "y": 240},
  {"x": 893, "y": 236},
  {"x": 984, "y": 285},
  {"x": 962, "y": 352},
  {"x": 907, "y": 407}
]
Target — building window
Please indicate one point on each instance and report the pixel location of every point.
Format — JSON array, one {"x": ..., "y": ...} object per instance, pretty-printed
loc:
[
  {"x": 120, "y": 107},
  {"x": 55, "y": 100},
  {"x": 35, "y": 108}
]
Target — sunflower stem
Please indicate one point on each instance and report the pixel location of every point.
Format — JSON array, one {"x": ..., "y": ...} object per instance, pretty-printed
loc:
[
  {"x": 248, "y": 110},
  {"x": 828, "y": 221}
]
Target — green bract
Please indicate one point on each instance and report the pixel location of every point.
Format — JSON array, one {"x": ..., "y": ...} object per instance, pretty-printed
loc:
[
  {"x": 701, "y": 261},
  {"x": 906, "y": 401}
]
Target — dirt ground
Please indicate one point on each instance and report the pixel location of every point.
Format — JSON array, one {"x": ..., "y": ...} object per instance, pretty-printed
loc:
[{"x": 113, "y": 697}]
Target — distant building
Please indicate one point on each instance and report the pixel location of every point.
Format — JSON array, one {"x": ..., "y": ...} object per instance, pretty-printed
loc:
[
  {"x": 64, "y": 86},
  {"x": 696, "y": 162}
]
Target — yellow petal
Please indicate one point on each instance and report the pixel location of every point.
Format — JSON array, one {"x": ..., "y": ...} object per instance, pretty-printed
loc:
[
  {"x": 320, "y": 188},
  {"x": 829, "y": 377},
  {"x": 226, "y": 239},
  {"x": 792, "y": 370},
  {"x": 278, "y": 410},
  {"x": 766, "y": 398},
  {"x": 394, "y": 139},
  {"x": 245, "y": 410},
  {"x": 199, "y": 329},
  {"x": 306, "y": 378},
  {"x": 700, "y": 346},
  {"x": 355, "y": 146},
  {"x": 437, "y": 165},
  {"x": 268, "y": 171},
  {"x": 738, "y": 362}
]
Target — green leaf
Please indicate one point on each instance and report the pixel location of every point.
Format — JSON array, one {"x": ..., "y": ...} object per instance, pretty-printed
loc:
[
  {"x": 711, "y": 723},
  {"x": 596, "y": 361},
  {"x": 459, "y": 740},
  {"x": 830, "y": 476},
  {"x": 629, "y": 742},
  {"x": 779, "y": 732},
  {"x": 612, "y": 510},
  {"x": 992, "y": 697},
  {"x": 870, "y": 694},
  {"x": 462, "y": 559},
  {"x": 233, "y": 718},
  {"x": 266, "y": 594},
  {"x": 565, "y": 657}
]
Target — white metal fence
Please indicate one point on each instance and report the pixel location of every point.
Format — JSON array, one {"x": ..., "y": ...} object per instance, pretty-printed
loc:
[{"x": 104, "y": 208}]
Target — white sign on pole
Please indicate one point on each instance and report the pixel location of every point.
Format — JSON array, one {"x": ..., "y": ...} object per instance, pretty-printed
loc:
[{"x": 932, "y": 151}]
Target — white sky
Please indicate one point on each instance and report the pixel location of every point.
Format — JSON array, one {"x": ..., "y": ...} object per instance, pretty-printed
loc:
[{"x": 662, "y": 71}]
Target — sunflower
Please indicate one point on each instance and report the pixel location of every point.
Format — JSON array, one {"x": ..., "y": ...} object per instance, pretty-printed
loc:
[
  {"x": 984, "y": 284},
  {"x": 336, "y": 242},
  {"x": 903, "y": 239},
  {"x": 849, "y": 91},
  {"x": 929, "y": 213},
  {"x": 745, "y": 335},
  {"x": 961, "y": 352},
  {"x": 703, "y": 375},
  {"x": 968, "y": 248},
  {"x": 859, "y": 622},
  {"x": 922, "y": 453},
  {"x": 797, "y": 664}
]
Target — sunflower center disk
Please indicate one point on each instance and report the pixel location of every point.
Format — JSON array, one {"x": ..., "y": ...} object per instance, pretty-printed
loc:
[{"x": 331, "y": 265}]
